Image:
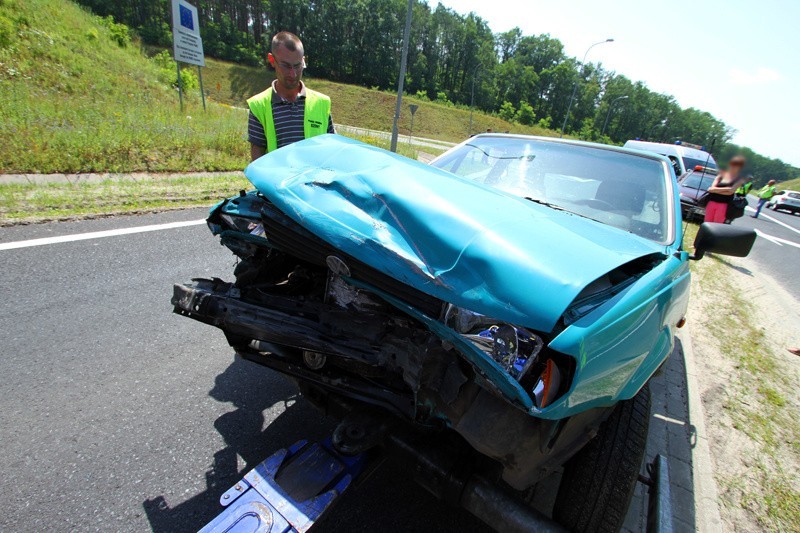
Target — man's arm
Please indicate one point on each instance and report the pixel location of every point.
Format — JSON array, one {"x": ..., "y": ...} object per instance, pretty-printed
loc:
[
  {"x": 256, "y": 136},
  {"x": 256, "y": 151}
]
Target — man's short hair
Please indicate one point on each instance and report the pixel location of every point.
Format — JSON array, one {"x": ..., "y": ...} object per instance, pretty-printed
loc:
[{"x": 288, "y": 40}]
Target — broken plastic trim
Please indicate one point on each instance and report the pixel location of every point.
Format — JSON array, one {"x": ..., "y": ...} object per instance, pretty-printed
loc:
[{"x": 244, "y": 224}]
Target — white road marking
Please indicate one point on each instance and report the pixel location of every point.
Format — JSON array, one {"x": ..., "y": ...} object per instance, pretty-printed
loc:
[
  {"x": 775, "y": 220},
  {"x": 776, "y": 240},
  {"x": 98, "y": 234}
]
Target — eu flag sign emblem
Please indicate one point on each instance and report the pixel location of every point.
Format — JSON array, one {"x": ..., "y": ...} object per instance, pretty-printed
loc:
[{"x": 186, "y": 18}]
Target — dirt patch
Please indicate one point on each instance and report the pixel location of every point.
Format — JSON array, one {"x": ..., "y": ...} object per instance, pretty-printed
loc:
[{"x": 742, "y": 323}]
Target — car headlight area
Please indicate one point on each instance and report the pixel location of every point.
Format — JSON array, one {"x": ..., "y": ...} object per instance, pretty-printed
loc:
[{"x": 520, "y": 352}]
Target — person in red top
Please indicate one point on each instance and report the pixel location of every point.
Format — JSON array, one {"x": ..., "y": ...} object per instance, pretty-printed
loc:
[{"x": 722, "y": 190}]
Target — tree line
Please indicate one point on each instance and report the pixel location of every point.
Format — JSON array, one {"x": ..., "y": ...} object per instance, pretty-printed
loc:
[{"x": 453, "y": 58}]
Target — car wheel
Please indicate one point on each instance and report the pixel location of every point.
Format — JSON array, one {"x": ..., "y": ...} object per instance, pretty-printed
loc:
[{"x": 598, "y": 482}]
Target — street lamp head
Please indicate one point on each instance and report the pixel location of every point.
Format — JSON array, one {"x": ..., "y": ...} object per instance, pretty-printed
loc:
[{"x": 609, "y": 40}]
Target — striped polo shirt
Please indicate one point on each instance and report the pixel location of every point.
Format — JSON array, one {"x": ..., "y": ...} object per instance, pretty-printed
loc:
[{"x": 288, "y": 119}]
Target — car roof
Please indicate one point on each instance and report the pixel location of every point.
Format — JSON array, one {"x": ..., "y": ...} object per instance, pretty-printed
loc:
[
  {"x": 677, "y": 149},
  {"x": 573, "y": 142}
]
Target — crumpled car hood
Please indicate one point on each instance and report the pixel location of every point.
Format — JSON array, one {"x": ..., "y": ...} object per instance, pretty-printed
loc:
[{"x": 463, "y": 242}]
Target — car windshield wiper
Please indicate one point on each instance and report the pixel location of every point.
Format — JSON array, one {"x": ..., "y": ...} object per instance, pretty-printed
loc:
[
  {"x": 546, "y": 204},
  {"x": 561, "y": 208}
]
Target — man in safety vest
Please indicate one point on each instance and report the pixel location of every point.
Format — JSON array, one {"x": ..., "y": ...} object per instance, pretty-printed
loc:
[
  {"x": 744, "y": 189},
  {"x": 288, "y": 111},
  {"x": 764, "y": 196}
]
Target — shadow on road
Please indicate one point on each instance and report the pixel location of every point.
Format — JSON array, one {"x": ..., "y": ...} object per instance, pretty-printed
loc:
[
  {"x": 252, "y": 390},
  {"x": 721, "y": 260}
]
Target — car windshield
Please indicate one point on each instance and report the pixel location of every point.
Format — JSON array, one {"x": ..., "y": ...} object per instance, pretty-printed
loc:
[
  {"x": 690, "y": 162},
  {"x": 698, "y": 181},
  {"x": 626, "y": 191}
]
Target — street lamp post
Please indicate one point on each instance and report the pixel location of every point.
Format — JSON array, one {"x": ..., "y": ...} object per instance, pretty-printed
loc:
[
  {"x": 608, "y": 115},
  {"x": 401, "y": 78},
  {"x": 575, "y": 87}
]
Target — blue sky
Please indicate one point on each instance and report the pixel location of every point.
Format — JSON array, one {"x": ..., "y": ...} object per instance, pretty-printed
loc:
[{"x": 738, "y": 60}]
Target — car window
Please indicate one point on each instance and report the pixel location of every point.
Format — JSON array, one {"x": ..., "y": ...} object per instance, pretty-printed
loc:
[
  {"x": 622, "y": 190},
  {"x": 690, "y": 162},
  {"x": 692, "y": 181},
  {"x": 698, "y": 181},
  {"x": 793, "y": 195},
  {"x": 675, "y": 165}
]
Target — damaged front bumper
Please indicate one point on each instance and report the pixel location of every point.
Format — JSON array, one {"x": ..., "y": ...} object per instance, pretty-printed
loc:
[
  {"x": 256, "y": 330},
  {"x": 420, "y": 374}
]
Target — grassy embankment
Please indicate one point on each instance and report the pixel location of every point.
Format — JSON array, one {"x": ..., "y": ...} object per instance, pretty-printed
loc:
[
  {"x": 74, "y": 100},
  {"x": 790, "y": 185},
  {"x": 761, "y": 401}
]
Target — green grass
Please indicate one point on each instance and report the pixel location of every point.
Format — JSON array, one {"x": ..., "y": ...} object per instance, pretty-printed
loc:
[
  {"x": 790, "y": 185},
  {"x": 58, "y": 201},
  {"x": 73, "y": 100},
  {"x": 757, "y": 401},
  {"x": 358, "y": 106}
]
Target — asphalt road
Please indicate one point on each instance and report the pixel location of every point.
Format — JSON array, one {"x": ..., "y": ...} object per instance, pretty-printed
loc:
[
  {"x": 777, "y": 250},
  {"x": 118, "y": 415}
]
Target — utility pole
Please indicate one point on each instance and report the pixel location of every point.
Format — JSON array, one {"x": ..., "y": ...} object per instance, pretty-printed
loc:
[
  {"x": 401, "y": 78},
  {"x": 472, "y": 99},
  {"x": 575, "y": 87}
]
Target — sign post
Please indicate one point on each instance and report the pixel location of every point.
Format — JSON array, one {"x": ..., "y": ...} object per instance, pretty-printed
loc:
[{"x": 187, "y": 43}]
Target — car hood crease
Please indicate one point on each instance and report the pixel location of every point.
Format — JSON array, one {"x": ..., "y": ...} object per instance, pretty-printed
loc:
[{"x": 463, "y": 242}]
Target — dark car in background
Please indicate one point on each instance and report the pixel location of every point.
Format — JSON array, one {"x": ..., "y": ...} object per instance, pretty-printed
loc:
[{"x": 693, "y": 186}]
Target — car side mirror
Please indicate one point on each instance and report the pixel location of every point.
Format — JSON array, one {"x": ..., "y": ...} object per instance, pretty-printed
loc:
[{"x": 723, "y": 239}]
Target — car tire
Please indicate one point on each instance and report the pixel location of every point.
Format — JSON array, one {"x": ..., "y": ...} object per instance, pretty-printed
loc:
[{"x": 598, "y": 482}]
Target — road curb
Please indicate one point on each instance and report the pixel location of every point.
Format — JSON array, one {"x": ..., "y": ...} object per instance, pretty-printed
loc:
[{"x": 706, "y": 496}]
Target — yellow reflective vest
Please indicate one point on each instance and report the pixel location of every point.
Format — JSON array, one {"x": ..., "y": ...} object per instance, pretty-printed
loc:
[{"x": 317, "y": 109}]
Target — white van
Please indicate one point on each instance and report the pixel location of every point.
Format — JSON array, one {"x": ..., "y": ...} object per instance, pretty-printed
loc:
[{"x": 684, "y": 156}]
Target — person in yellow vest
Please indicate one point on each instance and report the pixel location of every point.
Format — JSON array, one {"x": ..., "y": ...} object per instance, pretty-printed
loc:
[
  {"x": 764, "y": 195},
  {"x": 287, "y": 111}
]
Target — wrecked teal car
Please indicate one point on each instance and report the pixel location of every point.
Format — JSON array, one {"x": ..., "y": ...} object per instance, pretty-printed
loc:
[{"x": 515, "y": 296}]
